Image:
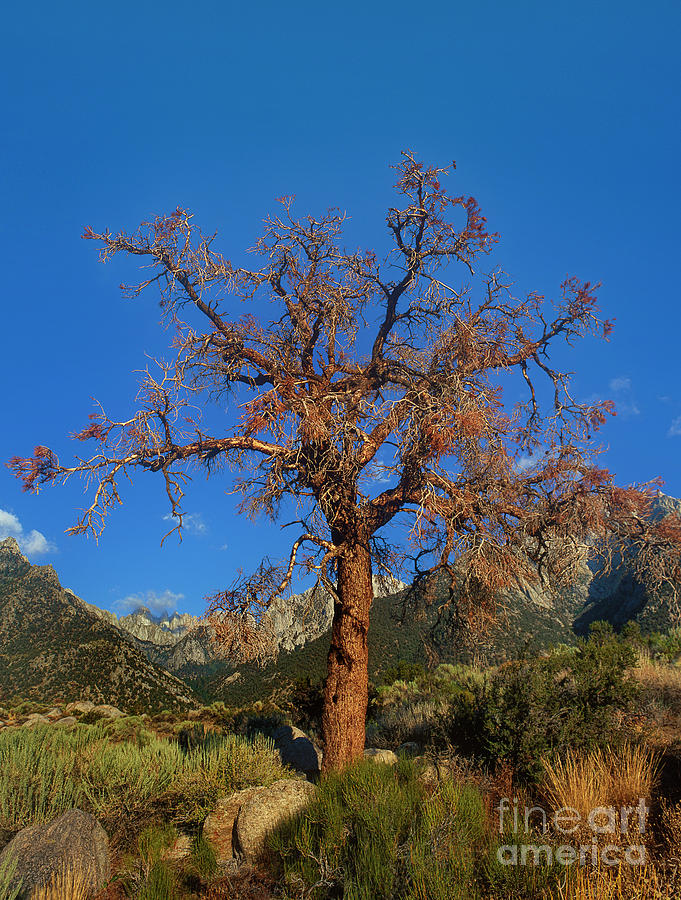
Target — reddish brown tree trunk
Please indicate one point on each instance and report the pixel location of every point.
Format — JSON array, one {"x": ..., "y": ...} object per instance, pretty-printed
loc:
[{"x": 346, "y": 693}]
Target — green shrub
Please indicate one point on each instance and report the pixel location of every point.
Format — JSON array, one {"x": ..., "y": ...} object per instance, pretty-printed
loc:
[
  {"x": 662, "y": 646},
  {"x": 26, "y": 707},
  {"x": 129, "y": 728},
  {"x": 402, "y": 671},
  {"x": 449, "y": 845},
  {"x": 7, "y": 869},
  {"x": 153, "y": 841},
  {"x": 92, "y": 717},
  {"x": 419, "y": 710},
  {"x": 149, "y": 876},
  {"x": 573, "y": 698},
  {"x": 225, "y": 764},
  {"x": 416, "y": 721},
  {"x": 193, "y": 735},
  {"x": 161, "y": 884},
  {"x": 202, "y": 859},
  {"x": 305, "y": 703},
  {"x": 45, "y": 770},
  {"x": 38, "y": 775},
  {"x": 350, "y": 835},
  {"x": 376, "y": 833},
  {"x": 260, "y": 722}
]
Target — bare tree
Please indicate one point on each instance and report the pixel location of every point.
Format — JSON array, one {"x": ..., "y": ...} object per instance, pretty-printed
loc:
[{"x": 370, "y": 365}]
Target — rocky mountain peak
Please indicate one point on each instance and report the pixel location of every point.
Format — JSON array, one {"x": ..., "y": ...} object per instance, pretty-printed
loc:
[
  {"x": 54, "y": 648},
  {"x": 664, "y": 504},
  {"x": 163, "y": 630},
  {"x": 11, "y": 545},
  {"x": 177, "y": 640},
  {"x": 304, "y": 617},
  {"x": 48, "y": 574},
  {"x": 13, "y": 563}
]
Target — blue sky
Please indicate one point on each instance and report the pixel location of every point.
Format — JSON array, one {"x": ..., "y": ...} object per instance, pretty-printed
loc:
[{"x": 564, "y": 120}]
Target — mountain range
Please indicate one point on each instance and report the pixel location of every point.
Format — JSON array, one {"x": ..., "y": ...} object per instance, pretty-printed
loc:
[{"x": 56, "y": 647}]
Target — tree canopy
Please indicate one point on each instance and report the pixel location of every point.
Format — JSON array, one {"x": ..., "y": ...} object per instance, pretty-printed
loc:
[{"x": 345, "y": 364}]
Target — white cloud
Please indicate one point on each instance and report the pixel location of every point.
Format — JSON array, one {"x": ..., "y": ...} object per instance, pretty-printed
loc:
[
  {"x": 524, "y": 462},
  {"x": 620, "y": 384},
  {"x": 192, "y": 523},
  {"x": 33, "y": 544},
  {"x": 626, "y": 405},
  {"x": 9, "y": 524},
  {"x": 165, "y": 602},
  {"x": 675, "y": 427}
]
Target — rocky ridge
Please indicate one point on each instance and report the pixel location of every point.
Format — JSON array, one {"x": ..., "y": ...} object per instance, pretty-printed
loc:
[
  {"x": 181, "y": 642},
  {"x": 53, "y": 647}
]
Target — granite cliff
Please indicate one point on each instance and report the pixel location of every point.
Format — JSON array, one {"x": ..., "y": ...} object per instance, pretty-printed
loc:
[{"x": 181, "y": 642}]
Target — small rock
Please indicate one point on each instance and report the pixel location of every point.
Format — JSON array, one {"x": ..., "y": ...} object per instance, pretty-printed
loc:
[
  {"x": 433, "y": 771},
  {"x": 409, "y": 748},
  {"x": 179, "y": 850},
  {"x": 218, "y": 829},
  {"x": 80, "y": 706},
  {"x": 270, "y": 807},
  {"x": 53, "y": 713},
  {"x": 66, "y": 721},
  {"x": 297, "y": 750},
  {"x": 429, "y": 773},
  {"x": 111, "y": 712},
  {"x": 36, "y": 719},
  {"x": 381, "y": 756},
  {"x": 74, "y": 841}
]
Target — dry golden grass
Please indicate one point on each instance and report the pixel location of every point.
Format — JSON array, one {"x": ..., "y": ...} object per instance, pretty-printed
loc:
[
  {"x": 660, "y": 685},
  {"x": 67, "y": 884},
  {"x": 671, "y": 830},
  {"x": 615, "y": 779},
  {"x": 663, "y": 674},
  {"x": 621, "y": 883}
]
